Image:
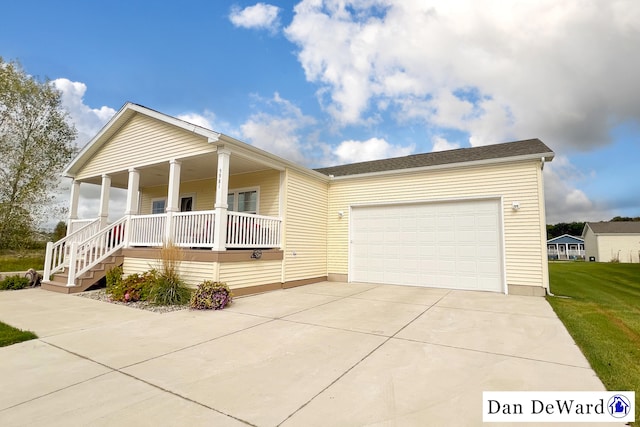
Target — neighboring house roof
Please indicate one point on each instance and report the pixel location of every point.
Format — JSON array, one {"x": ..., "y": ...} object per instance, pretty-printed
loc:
[
  {"x": 613, "y": 227},
  {"x": 530, "y": 148},
  {"x": 565, "y": 238}
]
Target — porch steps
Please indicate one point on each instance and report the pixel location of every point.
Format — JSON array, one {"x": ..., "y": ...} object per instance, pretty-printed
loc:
[{"x": 84, "y": 281}]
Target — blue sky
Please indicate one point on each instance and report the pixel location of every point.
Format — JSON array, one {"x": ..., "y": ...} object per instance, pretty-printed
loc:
[{"x": 331, "y": 82}]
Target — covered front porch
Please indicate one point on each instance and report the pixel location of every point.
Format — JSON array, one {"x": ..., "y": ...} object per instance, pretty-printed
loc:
[{"x": 212, "y": 201}]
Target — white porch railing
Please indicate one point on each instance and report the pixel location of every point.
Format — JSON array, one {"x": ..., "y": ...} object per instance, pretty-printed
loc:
[
  {"x": 80, "y": 256},
  {"x": 57, "y": 254},
  {"x": 90, "y": 252},
  {"x": 86, "y": 247},
  {"x": 252, "y": 231},
  {"x": 78, "y": 224},
  {"x": 147, "y": 230},
  {"x": 194, "y": 229}
]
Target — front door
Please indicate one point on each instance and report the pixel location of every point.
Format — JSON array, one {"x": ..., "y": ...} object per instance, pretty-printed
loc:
[{"x": 186, "y": 204}]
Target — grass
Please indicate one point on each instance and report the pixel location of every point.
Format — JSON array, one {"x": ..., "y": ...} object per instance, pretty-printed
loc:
[
  {"x": 21, "y": 261},
  {"x": 603, "y": 317},
  {"x": 10, "y": 335}
]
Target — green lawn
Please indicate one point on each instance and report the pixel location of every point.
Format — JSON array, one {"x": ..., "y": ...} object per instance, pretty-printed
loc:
[
  {"x": 11, "y": 261},
  {"x": 603, "y": 317},
  {"x": 10, "y": 335}
]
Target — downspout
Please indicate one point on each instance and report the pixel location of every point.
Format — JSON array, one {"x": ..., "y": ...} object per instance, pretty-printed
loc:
[{"x": 548, "y": 288}]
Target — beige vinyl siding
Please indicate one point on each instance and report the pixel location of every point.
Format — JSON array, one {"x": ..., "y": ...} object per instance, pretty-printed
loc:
[
  {"x": 305, "y": 236},
  {"x": 191, "y": 272},
  {"x": 524, "y": 247},
  {"x": 591, "y": 245},
  {"x": 268, "y": 181},
  {"x": 624, "y": 248},
  {"x": 144, "y": 141},
  {"x": 203, "y": 190},
  {"x": 250, "y": 273}
]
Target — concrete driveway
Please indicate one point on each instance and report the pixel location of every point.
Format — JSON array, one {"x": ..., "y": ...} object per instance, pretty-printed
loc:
[{"x": 343, "y": 354}]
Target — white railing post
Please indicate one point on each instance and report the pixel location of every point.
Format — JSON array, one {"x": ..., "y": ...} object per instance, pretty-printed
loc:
[
  {"x": 127, "y": 231},
  {"x": 169, "y": 227},
  {"x": 71, "y": 279},
  {"x": 47, "y": 260}
]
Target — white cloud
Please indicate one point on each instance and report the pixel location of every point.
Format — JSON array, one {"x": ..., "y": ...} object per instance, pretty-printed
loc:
[
  {"x": 88, "y": 121},
  {"x": 564, "y": 201},
  {"x": 372, "y": 149},
  {"x": 280, "y": 131},
  {"x": 561, "y": 71},
  {"x": 205, "y": 120},
  {"x": 259, "y": 16},
  {"x": 441, "y": 144}
]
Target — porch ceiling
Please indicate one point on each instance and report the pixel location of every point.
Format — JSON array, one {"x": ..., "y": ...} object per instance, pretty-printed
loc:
[{"x": 195, "y": 168}]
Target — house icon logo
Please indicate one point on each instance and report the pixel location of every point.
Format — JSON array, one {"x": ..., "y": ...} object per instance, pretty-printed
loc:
[{"x": 618, "y": 406}]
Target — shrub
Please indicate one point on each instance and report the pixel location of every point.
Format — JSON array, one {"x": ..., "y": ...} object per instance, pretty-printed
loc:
[
  {"x": 211, "y": 295},
  {"x": 168, "y": 288},
  {"x": 114, "y": 277},
  {"x": 14, "y": 283},
  {"x": 134, "y": 287}
]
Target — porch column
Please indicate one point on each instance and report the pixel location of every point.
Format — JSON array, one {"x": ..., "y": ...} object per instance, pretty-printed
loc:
[
  {"x": 222, "y": 189},
  {"x": 73, "y": 205},
  {"x": 132, "y": 192},
  {"x": 133, "y": 187},
  {"x": 173, "y": 197},
  {"x": 104, "y": 201}
]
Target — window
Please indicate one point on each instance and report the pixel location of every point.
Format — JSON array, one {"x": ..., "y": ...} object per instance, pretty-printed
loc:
[
  {"x": 158, "y": 206},
  {"x": 243, "y": 200},
  {"x": 186, "y": 203}
]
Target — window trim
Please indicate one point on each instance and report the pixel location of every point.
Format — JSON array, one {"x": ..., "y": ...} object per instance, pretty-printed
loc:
[{"x": 236, "y": 191}]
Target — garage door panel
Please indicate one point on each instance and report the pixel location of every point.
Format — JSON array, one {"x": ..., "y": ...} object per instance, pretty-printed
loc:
[{"x": 453, "y": 245}]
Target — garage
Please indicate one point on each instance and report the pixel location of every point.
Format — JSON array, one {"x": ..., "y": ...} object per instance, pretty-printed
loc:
[{"x": 453, "y": 244}]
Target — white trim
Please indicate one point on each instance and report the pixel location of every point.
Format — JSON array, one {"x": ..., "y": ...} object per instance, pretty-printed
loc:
[
  {"x": 500, "y": 199},
  {"x": 421, "y": 201},
  {"x": 503, "y": 254}
]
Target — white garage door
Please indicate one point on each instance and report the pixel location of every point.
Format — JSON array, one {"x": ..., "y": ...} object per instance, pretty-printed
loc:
[{"x": 455, "y": 245}]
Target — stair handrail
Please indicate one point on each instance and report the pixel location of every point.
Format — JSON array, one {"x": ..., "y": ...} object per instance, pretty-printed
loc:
[
  {"x": 87, "y": 254},
  {"x": 56, "y": 255}
]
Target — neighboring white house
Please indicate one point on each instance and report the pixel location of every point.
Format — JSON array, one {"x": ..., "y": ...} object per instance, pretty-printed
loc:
[
  {"x": 470, "y": 218},
  {"x": 565, "y": 247},
  {"x": 614, "y": 241}
]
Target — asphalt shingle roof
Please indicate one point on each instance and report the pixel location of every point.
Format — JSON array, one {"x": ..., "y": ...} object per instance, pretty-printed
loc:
[
  {"x": 461, "y": 155},
  {"x": 621, "y": 227}
]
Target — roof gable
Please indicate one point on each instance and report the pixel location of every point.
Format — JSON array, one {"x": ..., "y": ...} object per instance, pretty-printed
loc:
[
  {"x": 566, "y": 238},
  {"x": 614, "y": 227},
  {"x": 530, "y": 148},
  {"x": 118, "y": 121}
]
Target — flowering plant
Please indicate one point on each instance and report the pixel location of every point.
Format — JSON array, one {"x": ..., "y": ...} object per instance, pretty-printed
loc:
[{"x": 211, "y": 295}]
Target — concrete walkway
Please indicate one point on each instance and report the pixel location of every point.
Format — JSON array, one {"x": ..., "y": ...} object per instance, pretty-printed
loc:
[{"x": 328, "y": 354}]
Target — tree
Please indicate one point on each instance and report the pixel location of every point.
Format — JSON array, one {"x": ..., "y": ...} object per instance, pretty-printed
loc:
[
  {"x": 36, "y": 141},
  {"x": 60, "y": 231},
  {"x": 572, "y": 229}
]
